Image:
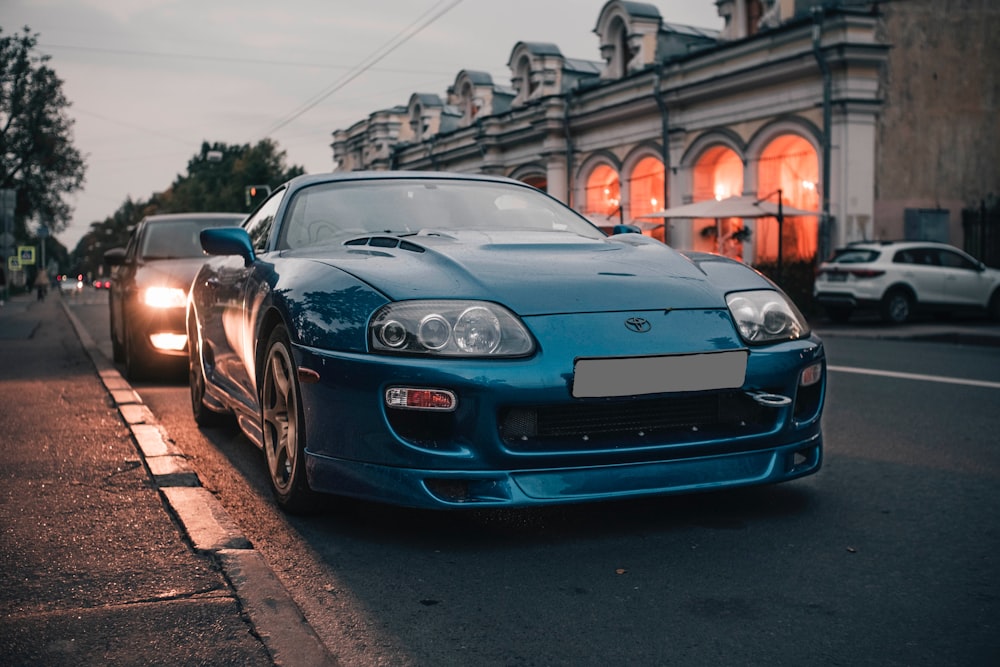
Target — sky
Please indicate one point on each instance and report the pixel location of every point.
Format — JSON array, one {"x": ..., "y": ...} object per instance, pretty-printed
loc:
[{"x": 149, "y": 80}]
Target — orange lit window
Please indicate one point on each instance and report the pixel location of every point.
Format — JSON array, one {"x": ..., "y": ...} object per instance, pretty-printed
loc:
[
  {"x": 789, "y": 163},
  {"x": 718, "y": 174},
  {"x": 603, "y": 193},
  {"x": 646, "y": 192}
]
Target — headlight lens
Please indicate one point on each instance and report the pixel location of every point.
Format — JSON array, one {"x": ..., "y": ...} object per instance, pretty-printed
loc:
[
  {"x": 765, "y": 316},
  {"x": 449, "y": 328},
  {"x": 164, "y": 297}
]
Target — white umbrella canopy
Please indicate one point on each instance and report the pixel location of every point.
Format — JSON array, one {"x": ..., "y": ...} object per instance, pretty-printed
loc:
[{"x": 746, "y": 206}]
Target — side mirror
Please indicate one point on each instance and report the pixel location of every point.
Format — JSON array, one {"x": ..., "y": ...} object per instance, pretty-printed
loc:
[
  {"x": 114, "y": 256},
  {"x": 228, "y": 241},
  {"x": 625, "y": 229}
]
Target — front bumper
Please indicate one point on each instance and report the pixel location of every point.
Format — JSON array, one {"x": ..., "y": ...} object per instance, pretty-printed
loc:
[
  {"x": 518, "y": 437},
  {"x": 440, "y": 489}
]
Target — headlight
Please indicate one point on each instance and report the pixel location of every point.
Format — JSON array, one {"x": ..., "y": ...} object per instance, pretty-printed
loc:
[
  {"x": 449, "y": 328},
  {"x": 164, "y": 297},
  {"x": 765, "y": 316}
]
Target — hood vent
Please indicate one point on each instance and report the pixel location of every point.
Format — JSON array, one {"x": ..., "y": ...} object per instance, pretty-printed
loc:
[{"x": 384, "y": 242}]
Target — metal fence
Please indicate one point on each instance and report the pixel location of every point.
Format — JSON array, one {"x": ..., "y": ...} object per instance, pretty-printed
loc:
[{"x": 982, "y": 231}]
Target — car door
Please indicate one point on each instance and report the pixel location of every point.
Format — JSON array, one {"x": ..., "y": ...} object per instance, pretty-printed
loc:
[
  {"x": 923, "y": 273},
  {"x": 965, "y": 283},
  {"x": 242, "y": 285},
  {"x": 123, "y": 290}
]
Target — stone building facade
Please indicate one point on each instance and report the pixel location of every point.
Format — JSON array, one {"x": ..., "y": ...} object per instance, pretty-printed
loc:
[{"x": 824, "y": 104}]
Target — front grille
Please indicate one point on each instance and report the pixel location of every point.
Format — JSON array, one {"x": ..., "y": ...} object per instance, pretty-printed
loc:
[{"x": 639, "y": 422}]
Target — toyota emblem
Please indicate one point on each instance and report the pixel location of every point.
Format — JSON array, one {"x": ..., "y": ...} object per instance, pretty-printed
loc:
[{"x": 637, "y": 324}]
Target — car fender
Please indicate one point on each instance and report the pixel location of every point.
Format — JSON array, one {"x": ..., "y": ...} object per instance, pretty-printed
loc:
[{"x": 322, "y": 306}]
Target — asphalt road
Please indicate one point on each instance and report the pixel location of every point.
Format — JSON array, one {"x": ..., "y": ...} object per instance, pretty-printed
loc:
[{"x": 888, "y": 556}]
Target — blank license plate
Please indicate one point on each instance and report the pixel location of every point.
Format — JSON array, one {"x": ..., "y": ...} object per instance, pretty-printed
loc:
[{"x": 633, "y": 376}]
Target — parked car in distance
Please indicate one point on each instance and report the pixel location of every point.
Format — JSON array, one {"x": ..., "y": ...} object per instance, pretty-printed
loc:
[
  {"x": 901, "y": 278},
  {"x": 458, "y": 341},
  {"x": 150, "y": 279},
  {"x": 102, "y": 283}
]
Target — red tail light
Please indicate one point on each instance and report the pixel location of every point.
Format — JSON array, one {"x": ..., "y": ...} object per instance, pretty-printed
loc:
[{"x": 865, "y": 273}]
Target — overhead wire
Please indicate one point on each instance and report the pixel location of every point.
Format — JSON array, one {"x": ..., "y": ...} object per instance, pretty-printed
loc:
[
  {"x": 204, "y": 57},
  {"x": 400, "y": 38}
]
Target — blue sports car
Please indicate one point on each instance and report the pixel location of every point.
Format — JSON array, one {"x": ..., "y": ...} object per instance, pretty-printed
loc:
[{"x": 443, "y": 340}]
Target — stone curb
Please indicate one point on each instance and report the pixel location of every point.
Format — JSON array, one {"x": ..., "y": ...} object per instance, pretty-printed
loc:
[{"x": 276, "y": 618}]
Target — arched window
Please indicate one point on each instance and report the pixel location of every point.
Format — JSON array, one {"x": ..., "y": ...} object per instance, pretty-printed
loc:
[
  {"x": 646, "y": 191},
  {"x": 537, "y": 181},
  {"x": 789, "y": 164},
  {"x": 718, "y": 175},
  {"x": 604, "y": 194}
]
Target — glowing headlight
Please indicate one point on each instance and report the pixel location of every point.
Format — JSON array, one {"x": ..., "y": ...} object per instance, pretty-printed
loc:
[
  {"x": 164, "y": 297},
  {"x": 765, "y": 316},
  {"x": 450, "y": 328}
]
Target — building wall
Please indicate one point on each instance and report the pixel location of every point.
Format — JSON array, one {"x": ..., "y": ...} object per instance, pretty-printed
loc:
[
  {"x": 938, "y": 138},
  {"x": 910, "y": 88}
]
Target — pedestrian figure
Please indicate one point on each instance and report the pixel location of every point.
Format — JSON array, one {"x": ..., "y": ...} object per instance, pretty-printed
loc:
[{"x": 42, "y": 284}]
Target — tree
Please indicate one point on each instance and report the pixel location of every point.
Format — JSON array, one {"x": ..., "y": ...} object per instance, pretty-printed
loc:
[
  {"x": 219, "y": 174},
  {"x": 37, "y": 156},
  {"x": 216, "y": 180}
]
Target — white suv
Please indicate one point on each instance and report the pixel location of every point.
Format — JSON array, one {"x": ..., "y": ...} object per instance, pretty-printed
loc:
[{"x": 900, "y": 277}]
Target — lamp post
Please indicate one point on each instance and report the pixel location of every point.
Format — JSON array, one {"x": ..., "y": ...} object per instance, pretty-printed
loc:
[{"x": 781, "y": 231}]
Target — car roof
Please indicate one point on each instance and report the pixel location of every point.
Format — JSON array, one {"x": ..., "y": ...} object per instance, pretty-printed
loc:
[
  {"x": 878, "y": 245},
  {"x": 332, "y": 177},
  {"x": 181, "y": 217}
]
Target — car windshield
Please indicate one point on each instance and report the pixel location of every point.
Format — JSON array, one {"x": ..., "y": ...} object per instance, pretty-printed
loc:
[
  {"x": 335, "y": 212},
  {"x": 855, "y": 256},
  {"x": 178, "y": 239}
]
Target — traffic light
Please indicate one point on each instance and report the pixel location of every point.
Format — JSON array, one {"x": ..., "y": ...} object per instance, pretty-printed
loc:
[{"x": 255, "y": 194}]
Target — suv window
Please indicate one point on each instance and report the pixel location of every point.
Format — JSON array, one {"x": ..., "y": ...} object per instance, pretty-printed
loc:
[
  {"x": 953, "y": 260},
  {"x": 855, "y": 256}
]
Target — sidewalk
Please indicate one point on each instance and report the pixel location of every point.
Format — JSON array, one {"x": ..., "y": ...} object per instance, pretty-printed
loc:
[{"x": 111, "y": 553}]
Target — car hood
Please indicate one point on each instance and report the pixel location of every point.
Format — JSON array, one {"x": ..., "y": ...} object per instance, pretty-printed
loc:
[
  {"x": 532, "y": 273},
  {"x": 168, "y": 272}
]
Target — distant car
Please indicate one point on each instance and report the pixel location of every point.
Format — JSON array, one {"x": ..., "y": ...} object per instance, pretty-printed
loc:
[
  {"x": 150, "y": 282},
  {"x": 70, "y": 285},
  {"x": 901, "y": 278},
  {"x": 458, "y": 341},
  {"x": 102, "y": 283}
]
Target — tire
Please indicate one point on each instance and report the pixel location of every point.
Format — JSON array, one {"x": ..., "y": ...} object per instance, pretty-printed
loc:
[
  {"x": 204, "y": 416},
  {"x": 283, "y": 426},
  {"x": 897, "y": 306},
  {"x": 839, "y": 314}
]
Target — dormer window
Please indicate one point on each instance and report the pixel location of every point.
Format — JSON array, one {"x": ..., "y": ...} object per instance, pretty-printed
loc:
[
  {"x": 620, "y": 55},
  {"x": 416, "y": 122},
  {"x": 522, "y": 80}
]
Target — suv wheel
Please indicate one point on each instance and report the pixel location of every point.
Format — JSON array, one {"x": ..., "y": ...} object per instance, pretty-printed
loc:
[{"x": 897, "y": 306}]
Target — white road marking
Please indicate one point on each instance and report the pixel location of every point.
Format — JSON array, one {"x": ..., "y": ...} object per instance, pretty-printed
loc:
[{"x": 915, "y": 376}]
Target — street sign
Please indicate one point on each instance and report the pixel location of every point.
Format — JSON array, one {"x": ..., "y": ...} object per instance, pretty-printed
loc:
[
  {"x": 26, "y": 253},
  {"x": 13, "y": 263}
]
